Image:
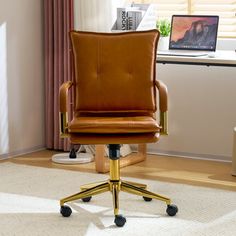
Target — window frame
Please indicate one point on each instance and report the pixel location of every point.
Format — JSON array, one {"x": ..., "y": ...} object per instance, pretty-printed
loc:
[{"x": 190, "y": 11}]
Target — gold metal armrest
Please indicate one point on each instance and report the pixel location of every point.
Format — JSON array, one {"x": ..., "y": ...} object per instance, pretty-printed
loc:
[
  {"x": 163, "y": 106},
  {"x": 63, "y": 118},
  {"x": 63, "y": 115},
  {"x": 164, "y": 122}
]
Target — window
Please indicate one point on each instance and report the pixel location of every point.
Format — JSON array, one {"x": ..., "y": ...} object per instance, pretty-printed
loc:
[{"x": 225, "y": 9}]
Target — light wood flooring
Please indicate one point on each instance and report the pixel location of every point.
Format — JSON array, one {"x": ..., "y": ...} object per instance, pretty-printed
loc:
[{"x": 170, "y": 169}]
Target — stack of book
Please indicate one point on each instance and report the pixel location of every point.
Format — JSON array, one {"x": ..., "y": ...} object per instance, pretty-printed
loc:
[{"x": 128, "y": 18}]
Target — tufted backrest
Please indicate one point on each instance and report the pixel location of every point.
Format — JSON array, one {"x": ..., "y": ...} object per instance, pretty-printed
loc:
[{"x": 115, "y": 72}]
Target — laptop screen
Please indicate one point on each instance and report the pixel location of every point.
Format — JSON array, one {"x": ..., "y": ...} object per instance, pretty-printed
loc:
[{"x": 194, "y": 32}]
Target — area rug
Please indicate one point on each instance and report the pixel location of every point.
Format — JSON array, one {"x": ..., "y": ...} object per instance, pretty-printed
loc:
[{"x": 29, "y": 205}]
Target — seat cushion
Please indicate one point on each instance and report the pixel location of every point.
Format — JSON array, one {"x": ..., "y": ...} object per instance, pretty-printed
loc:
[
  {"x": 86, "y": 138},
  {"x": 114, "y": 125}
]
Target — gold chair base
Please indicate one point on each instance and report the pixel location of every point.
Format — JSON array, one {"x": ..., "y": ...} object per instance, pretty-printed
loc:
[{"x": 114, "y": 186}]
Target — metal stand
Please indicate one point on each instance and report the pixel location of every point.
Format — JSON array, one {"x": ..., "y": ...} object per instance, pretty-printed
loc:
[{"x": 115, "y": 185}]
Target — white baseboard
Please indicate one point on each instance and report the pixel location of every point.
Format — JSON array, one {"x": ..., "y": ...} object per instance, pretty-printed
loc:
[
  {"x": 22, "y": 152},
  {"x": 207, "y": 157}
]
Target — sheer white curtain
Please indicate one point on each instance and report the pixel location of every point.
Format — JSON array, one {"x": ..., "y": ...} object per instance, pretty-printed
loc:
[{"x": 96, "y": 15}]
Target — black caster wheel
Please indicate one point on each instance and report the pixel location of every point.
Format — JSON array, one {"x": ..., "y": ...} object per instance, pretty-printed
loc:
[
  {"x": 86, "y": 199},
  {"x": 72, "y": 154},
  {"x": 147, "y": 199},
  {"x": 120, "y": 220},
  {"x": 172, "y": 210},
  {"x": 65, "y": 211}
]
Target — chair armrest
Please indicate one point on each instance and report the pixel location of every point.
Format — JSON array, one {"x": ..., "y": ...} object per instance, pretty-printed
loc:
[
  {"x": 63, "y": 108},
  {"x": 163, "y": 106}
]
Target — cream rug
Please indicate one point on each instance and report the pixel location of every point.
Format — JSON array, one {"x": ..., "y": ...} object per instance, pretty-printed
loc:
[{"x": 29, "y": 205}]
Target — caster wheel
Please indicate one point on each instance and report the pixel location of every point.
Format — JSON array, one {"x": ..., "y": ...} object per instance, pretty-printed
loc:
[
  {"x": 65, "y": 211},
  {"x": 72, "y": 154},
  {"x": 86, "y": 199},
  {"x": 120, "y": 220},
  {"x": 147, "y": 199},
  {"x": 172, "y": 210}
]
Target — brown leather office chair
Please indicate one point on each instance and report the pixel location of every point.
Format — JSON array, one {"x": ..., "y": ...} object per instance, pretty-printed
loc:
[{"x": 115, "y": 104}]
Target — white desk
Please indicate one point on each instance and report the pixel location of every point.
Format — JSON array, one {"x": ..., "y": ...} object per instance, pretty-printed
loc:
[
  {"x": 222, "y": 58},
  {"x": 202, "y": 100}
]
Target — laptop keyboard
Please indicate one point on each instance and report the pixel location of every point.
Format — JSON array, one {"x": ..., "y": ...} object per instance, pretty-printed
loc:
[{"x": 182, "y": 53}]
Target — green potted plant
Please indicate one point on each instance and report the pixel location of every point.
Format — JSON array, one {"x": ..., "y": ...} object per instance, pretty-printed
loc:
[{"x": 163, "y": 25}]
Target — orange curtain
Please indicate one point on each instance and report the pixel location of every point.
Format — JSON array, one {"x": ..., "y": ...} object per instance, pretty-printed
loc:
[{"x": 58, "y": 21}]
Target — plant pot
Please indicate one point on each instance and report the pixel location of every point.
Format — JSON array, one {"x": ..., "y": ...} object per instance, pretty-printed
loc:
[{"x": 163, "y": 43}]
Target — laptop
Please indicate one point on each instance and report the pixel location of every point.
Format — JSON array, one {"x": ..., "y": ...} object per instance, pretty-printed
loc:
[{"x": 192, "y": 35}]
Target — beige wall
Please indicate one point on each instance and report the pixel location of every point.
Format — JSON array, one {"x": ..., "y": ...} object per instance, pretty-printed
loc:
[{"x": 21, "y": 66}]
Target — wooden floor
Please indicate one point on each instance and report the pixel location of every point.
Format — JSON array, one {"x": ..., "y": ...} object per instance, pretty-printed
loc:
[{"x": 170, "y": 169}]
